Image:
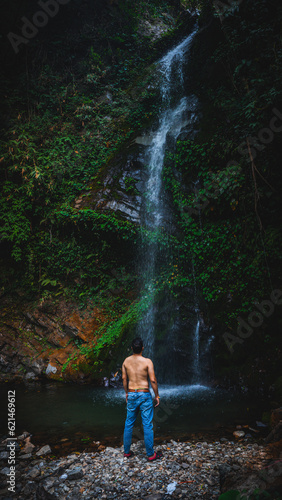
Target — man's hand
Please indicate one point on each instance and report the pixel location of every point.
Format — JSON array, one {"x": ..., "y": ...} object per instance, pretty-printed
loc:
[{"x": 157, "y": 398}]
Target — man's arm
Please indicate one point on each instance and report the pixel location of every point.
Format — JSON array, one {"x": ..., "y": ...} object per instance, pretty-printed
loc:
[
  {"x": 153, "y": 380},
  {"x": 124, "y": 380}
]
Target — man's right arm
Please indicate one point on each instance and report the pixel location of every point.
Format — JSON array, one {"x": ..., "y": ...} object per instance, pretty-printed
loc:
[{"x": 153, "y": 380}]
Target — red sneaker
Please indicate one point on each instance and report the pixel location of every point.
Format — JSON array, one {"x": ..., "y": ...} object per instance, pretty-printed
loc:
[{"x": 155, "y": 456}]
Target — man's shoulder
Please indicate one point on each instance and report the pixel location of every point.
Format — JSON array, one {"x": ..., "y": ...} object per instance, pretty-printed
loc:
[
  {"x": 148, "y": 361},
  {"x": 127, "y": 359}
]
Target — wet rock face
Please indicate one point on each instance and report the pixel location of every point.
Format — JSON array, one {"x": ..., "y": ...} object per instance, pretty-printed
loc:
[
  {"x": 119, "y": 189},
  {"x": 37, "y": 342},
  {"x": 121, "y": 185},
  {"x": 155, "y": 31}
]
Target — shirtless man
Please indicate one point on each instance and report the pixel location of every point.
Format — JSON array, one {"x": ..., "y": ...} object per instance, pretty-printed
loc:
[{"x": 136, "y": 372}]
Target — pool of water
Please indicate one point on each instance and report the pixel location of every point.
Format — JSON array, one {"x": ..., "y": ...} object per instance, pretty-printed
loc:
[{"x": 63, "y": 411}]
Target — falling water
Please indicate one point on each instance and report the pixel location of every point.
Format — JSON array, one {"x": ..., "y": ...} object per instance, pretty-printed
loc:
[
  {"x": 172, "y": 120},
  {"x": 196, "y": 371},
  {"x": 196, "y": 354}
]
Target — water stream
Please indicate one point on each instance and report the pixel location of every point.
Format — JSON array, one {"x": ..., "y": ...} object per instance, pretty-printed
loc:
[{"x": 175, "y": 113}]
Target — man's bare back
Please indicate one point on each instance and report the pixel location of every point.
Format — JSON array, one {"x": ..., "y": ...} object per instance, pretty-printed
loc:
[{"x": 137, "y": 371}]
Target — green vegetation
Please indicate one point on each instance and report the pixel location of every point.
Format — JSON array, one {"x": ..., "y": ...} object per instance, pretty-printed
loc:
[
  {"x": 61, "y": 136},
  {"x": 66, "y": 115},
  {"x": 220, "y": 231},
  {"x": 227, "y": 194},
  {"x": 109, "y": 335}
]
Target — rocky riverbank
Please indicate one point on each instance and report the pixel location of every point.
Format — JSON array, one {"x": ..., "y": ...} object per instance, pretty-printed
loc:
[{"x": 187, "y": 470}]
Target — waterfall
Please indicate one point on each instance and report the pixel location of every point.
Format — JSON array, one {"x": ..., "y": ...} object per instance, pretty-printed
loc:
[{"x": 173, "y": 117}]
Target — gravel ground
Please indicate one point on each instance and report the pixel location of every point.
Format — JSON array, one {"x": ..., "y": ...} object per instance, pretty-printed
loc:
[{"x": 187, "y": 470}]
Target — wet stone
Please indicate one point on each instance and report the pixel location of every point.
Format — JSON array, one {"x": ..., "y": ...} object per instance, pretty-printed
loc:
[
  {"x": 25, "y": 456},
  {"x": 33, "y": 473}
]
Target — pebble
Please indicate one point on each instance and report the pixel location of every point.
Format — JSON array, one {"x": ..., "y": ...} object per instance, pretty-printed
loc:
[
  {"x": 238, "y": 434},
  {"x": 25, "y": 456},
  {"x": 45, "y": 450},
  {"x": 75, "y": 473}
]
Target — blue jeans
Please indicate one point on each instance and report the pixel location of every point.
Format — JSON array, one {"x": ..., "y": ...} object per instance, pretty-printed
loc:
[{"x": 142, "y": 400}]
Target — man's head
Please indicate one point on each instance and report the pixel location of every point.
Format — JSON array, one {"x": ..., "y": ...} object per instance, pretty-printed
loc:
[{"x": 137, "y": 345}]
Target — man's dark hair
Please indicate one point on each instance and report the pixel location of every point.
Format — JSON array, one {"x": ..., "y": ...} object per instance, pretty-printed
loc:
[{"x": 137, "y": 345}]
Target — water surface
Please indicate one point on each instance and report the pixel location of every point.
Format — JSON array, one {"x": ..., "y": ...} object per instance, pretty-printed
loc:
[{"x": 59, "y": 411}]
